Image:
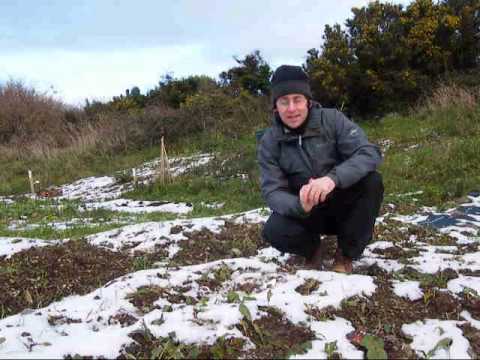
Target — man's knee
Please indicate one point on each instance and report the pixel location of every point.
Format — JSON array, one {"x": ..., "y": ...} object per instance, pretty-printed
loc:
[
  {"x": 287, "y": 234},
  {"x": 278, "y": 227},
  {"x": 372, "y": 183}
]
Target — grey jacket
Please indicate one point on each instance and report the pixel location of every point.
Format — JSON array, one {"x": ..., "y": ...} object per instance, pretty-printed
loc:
[{"x": 331, "y": 145}]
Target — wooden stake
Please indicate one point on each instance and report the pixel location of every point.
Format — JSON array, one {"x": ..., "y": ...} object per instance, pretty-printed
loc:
[
  {"x": 162, "y": 163},
  {"x": 30, "y": 179},
  {"x": 134, "y": 175},
  {"x": 167, "y": 163}
]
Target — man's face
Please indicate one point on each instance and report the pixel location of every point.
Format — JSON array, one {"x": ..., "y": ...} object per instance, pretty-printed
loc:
[{"x": 293, "y": 109}]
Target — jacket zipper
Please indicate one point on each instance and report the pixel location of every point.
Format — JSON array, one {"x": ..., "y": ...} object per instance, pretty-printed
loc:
[{"x": 305, "y": 156}]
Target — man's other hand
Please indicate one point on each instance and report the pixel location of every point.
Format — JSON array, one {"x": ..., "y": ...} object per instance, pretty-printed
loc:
[{"x": 319, "y": 189}]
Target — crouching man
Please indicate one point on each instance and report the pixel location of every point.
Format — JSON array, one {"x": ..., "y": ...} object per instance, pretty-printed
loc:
[{"x": 318, "y": 175}]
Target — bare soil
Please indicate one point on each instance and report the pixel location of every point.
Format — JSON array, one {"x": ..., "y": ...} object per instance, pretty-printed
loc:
[
  {"x": 275, "y": 336},
  {"x": 235, "y": 240},
  {"x": 38, "y": 276},
  {"x": 384, "y": 313}
]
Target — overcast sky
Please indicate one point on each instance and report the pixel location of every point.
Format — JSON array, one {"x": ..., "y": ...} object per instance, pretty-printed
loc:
[{"x": 95, "y": 49}]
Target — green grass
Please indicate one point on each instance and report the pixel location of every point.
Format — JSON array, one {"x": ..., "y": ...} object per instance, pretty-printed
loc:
[
  {"x": 445, "y": 164},
  {"x": 236, "y": 194},
  {"x": 67, "y": 167},
  {"x": 44, "y": 212},
  {"x": 49, "y": 233},
  {"x": 232, "y": 179}
]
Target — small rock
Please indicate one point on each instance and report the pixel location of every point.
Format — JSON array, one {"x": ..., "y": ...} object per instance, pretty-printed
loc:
[{"x": 176, "y": 229}]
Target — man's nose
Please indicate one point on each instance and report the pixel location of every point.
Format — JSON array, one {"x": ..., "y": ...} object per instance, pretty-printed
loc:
[{"x": 291, "y": 106}]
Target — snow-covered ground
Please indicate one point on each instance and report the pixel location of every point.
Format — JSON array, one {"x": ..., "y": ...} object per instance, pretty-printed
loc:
[
  {"x": 104, "y": 192},
  {"x": 89, "y": 325},
  {"x": 95, "y": 189},
  {"x": 32, "y": 334},
  {"x": 462, "y": 222},
  {"x": 136, "y": 206}
]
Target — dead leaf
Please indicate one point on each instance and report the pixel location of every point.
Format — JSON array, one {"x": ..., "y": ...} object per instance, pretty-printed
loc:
[{"x": 28, "y": 297}]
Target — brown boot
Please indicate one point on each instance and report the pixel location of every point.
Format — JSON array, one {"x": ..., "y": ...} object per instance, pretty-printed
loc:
[{"x": 342, "y": 264}]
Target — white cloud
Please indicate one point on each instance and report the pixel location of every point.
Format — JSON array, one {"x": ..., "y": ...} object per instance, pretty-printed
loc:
[
  {"x": 99, "y": 49},
  {"x": 75, "y": 76}
]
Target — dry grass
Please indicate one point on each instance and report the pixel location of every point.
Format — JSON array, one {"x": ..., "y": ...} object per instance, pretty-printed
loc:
[{"x": 448, "y": 95}]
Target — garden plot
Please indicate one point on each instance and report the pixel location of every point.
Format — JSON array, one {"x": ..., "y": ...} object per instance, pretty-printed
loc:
[
  {"x": 211, "y": 287},
  {"x": 95, "y": 189},
  {"x": 199, "y": 287},
  {"x": 10, "y": 246},
  {"x": 199, "y": 303},
  {"x": 99, "y": 193}
]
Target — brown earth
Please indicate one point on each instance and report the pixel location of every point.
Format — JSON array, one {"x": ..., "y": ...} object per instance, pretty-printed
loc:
[
  {"x": 145, "y": 297},
  {"x": 146, "y": 346},
  {"x": 38, "y": 276},
  {"x": 274, "y": 336},
  {"x": 235, "y": 240},
  {"x": 473, "y": 336},
  {"x": 384, "y": 313}
]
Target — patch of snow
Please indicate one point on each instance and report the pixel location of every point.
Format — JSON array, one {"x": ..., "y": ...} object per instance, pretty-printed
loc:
[
  {"x": 215, "y": 205},
  {"x": 270, "y": 253},
  {"x": 408, "y": 289},
  {"x": 410, "y": 219},
  {"x": 253, "y": 216},
  {"x": 387, "y": 265},
  {"x": 6, "y": 200},
  {"x": 473, "y": 322},
  {"x": 462, "y": 283},
  {"x": 385, "y": 144},
  {"x": 138, "y": 206},
  {"x": 332, "y": 290},
  {"x": 10, "y": 246},
  {"x": 427, "y": 334},
  {"x": 431, "y": 260},
  {"x": 106, "y": 187},
  {"x": 147, "y": 236},
  {"x": 382, "y": 245},
  {"x": 93, "y": 333},
  {"x": 93, "y": 189},
  {"x": 178, "y": 165},
  {"x": 370, "y": 258}
]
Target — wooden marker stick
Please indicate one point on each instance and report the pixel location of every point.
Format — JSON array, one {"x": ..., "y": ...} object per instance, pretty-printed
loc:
[
  {"x": 162, "y": 163},
  {"x": 30, "y": 179},
  {"x": 134, "y": 175}
]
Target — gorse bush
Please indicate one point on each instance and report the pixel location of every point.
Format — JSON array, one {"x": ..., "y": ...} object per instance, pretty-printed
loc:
[{"x": 387, "y": 55}]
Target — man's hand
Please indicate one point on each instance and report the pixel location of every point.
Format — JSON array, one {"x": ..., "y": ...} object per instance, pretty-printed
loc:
[
  {"x": 306, "y": 204},
  {"x": 315, "y": 192}
]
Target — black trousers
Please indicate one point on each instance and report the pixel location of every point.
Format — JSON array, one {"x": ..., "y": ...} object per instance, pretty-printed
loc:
[{"x": 348, "y": 213}]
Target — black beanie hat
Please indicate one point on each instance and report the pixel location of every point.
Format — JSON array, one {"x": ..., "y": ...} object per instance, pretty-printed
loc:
[{"x": 289, "y": 79}]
